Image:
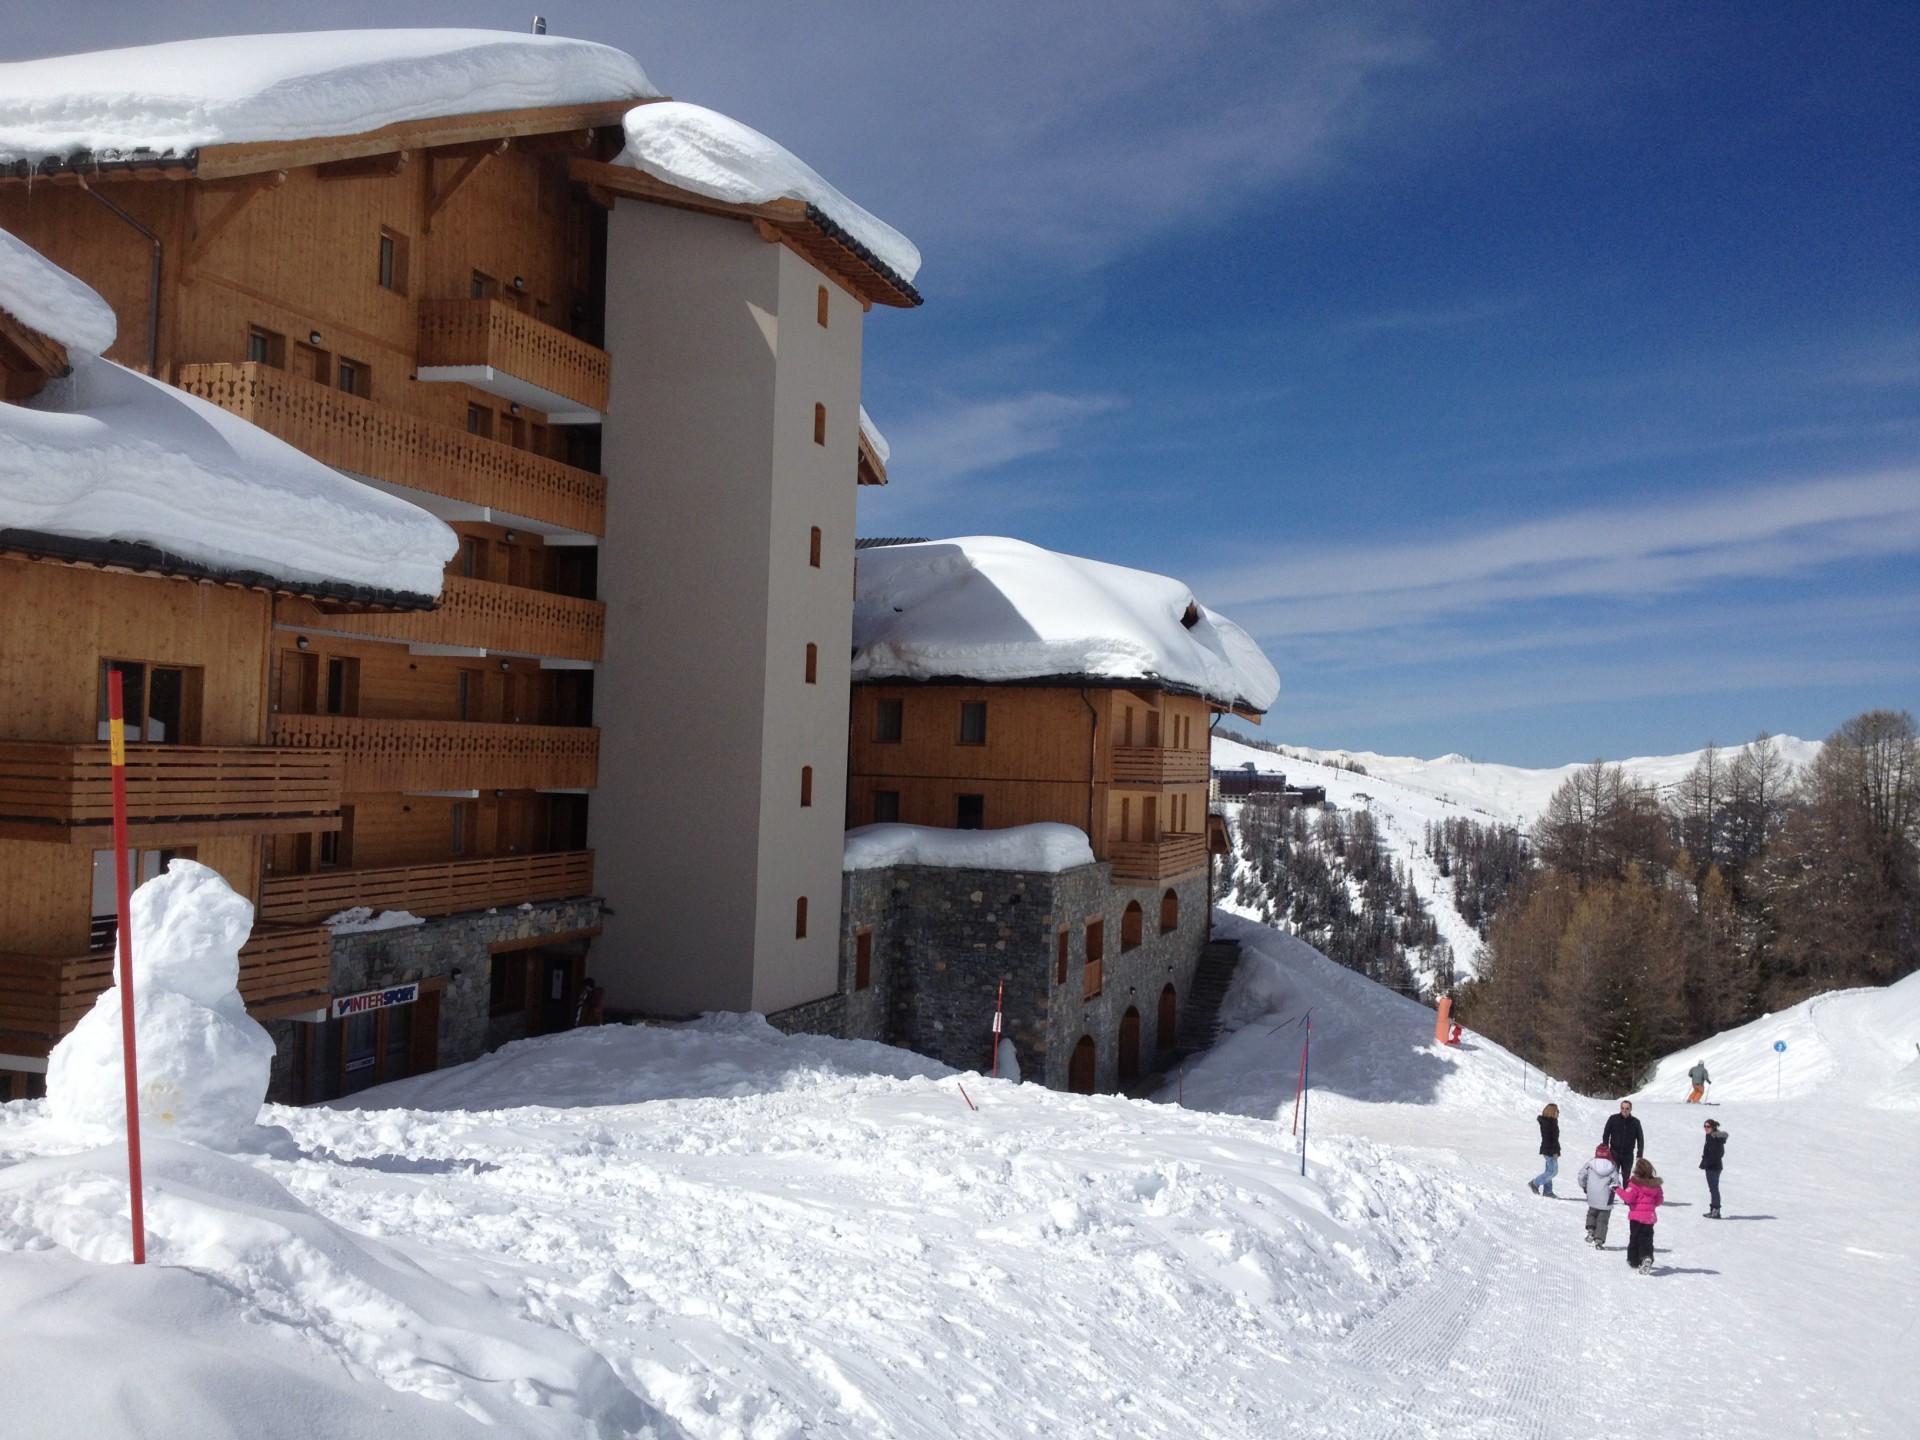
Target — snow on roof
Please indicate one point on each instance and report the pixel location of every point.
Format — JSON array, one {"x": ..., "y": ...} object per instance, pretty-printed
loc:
[
  {"x": 39, "y": 294},
  {"x": 1035, "y": 849},
  {"x": 713, "y": 155},
  {"x": 874, "y": 437},
  {"x": 231, "y": 89},
  {"x": 987, "y": 608},
  {"x": 107, "y": 454}
]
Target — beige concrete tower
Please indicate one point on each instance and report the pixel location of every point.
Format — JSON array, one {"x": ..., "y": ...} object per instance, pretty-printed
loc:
[{"x": 731, "y": 448}]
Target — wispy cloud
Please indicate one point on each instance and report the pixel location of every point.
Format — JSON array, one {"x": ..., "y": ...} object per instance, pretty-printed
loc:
[
  {"x": 1444, "y": 317},
  {"x": 933, "y": 447}
]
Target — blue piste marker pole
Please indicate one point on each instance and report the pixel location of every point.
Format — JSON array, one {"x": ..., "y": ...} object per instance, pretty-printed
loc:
[
  {"x": 1779, "y": 1058},
  {"x": 1306, "y": 1081}
]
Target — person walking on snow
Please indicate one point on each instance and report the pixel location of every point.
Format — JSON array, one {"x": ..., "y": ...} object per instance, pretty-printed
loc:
[
  {"x": 1643, "y": 1196},
  {"x": 1624, "y": 1137},
  {"x": 1596, "y": 1177},
  {"x": 1698, "y": 1075},
  {"x": 1712, "y": 1155},
  {"x": 1542, "y": 1184}
]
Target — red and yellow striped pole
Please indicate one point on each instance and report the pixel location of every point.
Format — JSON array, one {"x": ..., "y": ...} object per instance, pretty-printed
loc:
[{"x": 123, "y": 893}]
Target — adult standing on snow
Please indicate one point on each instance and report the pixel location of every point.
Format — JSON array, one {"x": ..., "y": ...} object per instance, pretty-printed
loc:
[
  {"x": 1542, "y": 1184},
  {"x": 1698, "y": 1075},
  {"x": 1624, "y": 1137},
  {"x": 1596, "y": 1178},
  {"x": 1712, "y": 1156},
  {"x": 1643, "y": 1197}
]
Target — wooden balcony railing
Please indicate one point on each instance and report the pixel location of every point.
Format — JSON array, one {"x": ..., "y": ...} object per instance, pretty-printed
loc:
[
  {"x": 1149, "y": 765},
  {"x": 1093, "y": 978},
  {"x": 485, "y": 615},
  {"x": 64, "y": 793},
  {"x": 387, "y": 444},
  {"x": 1162, "y": 859},
  {"x": 282, "y": 969},
  {"x": 448, "y": 754},
  {"x": 445, "y": 888},
  {"x": 493, "y": 333}
]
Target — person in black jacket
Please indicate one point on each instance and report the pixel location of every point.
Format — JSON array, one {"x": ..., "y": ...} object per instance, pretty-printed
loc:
[
  {"x": 1712, "y": 1157},
  {"x": 1542, "y": 1184},
  {"x": 1624, "y": 1137}
]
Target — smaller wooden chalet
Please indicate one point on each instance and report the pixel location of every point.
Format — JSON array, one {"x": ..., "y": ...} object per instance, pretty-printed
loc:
[{"x": 998, "y": 685}]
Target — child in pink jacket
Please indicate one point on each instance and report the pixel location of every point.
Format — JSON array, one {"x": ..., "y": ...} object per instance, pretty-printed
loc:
[{"x": 1643, "y": 1197}]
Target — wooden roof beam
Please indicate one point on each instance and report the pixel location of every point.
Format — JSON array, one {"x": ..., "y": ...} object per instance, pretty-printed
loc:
[
  {"x": 203, "y": 241},
  {"x": 438, "y": 199},
  {"x": 365, "y": 167}
]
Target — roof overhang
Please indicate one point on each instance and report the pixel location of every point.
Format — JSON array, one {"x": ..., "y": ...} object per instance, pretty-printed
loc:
[
  {"x": 803, "y": 228},
  {"x": 873, "y": 470},
  {"x": 28, "y": 359},
  {"x": 1138, "y": 684}
]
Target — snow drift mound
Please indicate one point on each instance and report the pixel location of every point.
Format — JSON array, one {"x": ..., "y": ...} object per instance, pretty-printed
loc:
[
  {"x": 332, "y": 1293},
  {"x": 203, "y": 1062},
  {"x": 1861, "y": 1046}
]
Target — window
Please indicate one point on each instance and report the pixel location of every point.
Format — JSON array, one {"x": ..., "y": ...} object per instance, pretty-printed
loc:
[
  {"x": 813, "y": 663},
  {"x": 1095, "y": 969},
  {"x": 1126, "y": 725},
  {"x": 1126, "y": 818},
  {"x": 863, "y": 957},
  {"x": 160, "y": 703},
  {"x": 886, "y": 807},
  {"x": 473, "y": 557},
  {"x": 800, "y": 918},
  {"x": 887, "y": 721},
  {"x": 507, "y": 982},
  {"x": 1153, "y": 729},
  {"x": 813, "y": 548},
  {"x": 1060, "y": 957},
  {"x": 265, "y": 347},
  {"x": 970, "y": 812},
  {"x": 393, "y": 261},
  {"x": 482, "y": 286},
  {"x": 1169, "y": 913},
  {"x": 819, "y": 424},
  {"x": 820, "y": 312},
  {"x": 467, "y": 705},
  {"x": 336, "y": 846},
  {"x": 806, "y": 785},
  {"x": 343, "y": 686},
  {"x": 356, "y": 378},
  {"x": 1132, "y": 925},
  {"x": 480, "y": 421},
  {"x": 973, "y": 722},
  {"x": 466, "y": 824}
]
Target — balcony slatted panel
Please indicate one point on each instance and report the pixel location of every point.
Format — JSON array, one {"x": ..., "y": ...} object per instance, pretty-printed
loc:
[
  {"x": 1162, "y": 859},
  {"x": 377, "y": 440},
  {"x": 66, "y": 791},
  {"x": 446, "y": 888},
  {"x": 448, "y": 754},
  {"x": 1145, "y": 765},
  {"x": 485, "y": 615},
  {"x": 492, "y": 332}
]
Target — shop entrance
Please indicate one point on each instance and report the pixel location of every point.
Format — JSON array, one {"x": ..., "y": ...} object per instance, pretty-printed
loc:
[{"x": 346, "y": 1054}]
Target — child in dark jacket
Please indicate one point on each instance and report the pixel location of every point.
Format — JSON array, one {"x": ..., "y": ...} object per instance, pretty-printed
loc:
[
  {"x": 1643, "y": 1196},
  {"x": 1542, "y": 1184}
]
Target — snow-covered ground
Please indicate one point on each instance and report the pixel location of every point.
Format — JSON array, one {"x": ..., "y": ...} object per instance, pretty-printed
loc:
[{"x": 760, "y": 1236}]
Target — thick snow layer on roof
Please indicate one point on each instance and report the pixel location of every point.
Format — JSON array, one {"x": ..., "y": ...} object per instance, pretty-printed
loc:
[
  {"x": 107, "y": 454},
  {"x": 1039, "y": 849},
  {"x": 38, "y": 293},
  {"x": 235, "y": 88},
  {"x": 874, "y": 437},
  {"x": 710, "y": 154},
  {"x": 992, "y": 609}
]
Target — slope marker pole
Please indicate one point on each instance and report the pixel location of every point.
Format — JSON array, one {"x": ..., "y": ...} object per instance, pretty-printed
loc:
[{"x": 123, "y": 895}]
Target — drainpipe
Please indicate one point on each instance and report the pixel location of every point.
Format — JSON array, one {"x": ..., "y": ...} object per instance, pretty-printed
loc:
[
  {"x": 1093, "y": 758},
  {"x": 153, "y": 298}
]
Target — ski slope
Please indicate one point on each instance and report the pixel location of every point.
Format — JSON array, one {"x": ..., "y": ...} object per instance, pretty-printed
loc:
[{"x": 718, "y": 1231}]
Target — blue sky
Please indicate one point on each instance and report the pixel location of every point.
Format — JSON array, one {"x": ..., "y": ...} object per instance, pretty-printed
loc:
[{"x": 1535, "y": 381}]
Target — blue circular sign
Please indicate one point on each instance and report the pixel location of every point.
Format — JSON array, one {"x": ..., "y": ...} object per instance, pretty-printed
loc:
[{"x": 1779, "y": 1045}]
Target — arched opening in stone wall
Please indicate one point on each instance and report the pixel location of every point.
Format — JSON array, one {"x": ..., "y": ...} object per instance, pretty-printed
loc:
[
  {"x": 1169, "y": 1024},
  {"x": 1169, "y": 913},
  {"x": 1133, "y": 924},
  {"x": 1130, "y": 1045},
  {"x": 1080, "y": 1070}
]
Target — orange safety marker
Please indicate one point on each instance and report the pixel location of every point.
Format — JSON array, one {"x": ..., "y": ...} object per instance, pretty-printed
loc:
[
  {"x": 123, "y": 893},
  {"x": 1440, "y": 1020}
]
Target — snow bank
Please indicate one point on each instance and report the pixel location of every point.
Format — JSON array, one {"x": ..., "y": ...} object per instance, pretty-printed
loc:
[
  {"x": 325, "y": 1292},
  {"x": 203, "y": 1062},
  {"x": 710, "y": 154},
  {"x": 874, "y": 437},
  {"x": 107, "y": 454},
  {"x": 224, "y": 90},
  {"x": 1040, "y": 849},
  {"x": 987, "y": 608},
  {"x": 38, "y": 293},
  {"x": 360, "y": 920}
]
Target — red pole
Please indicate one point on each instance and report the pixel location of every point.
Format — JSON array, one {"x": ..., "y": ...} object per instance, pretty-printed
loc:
[
  {"x": 999, "y": 1000},
  {"x": 123, "y": 893}
]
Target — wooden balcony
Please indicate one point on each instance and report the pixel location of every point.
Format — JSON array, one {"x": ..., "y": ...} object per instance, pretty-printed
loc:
[
  {"x": 485, "y": 615},
  {"x": 498, "y": 348},
  {"x": 283, "y": 969},
  {"x": 1150, "y": 765},
  {"x": 378, "y": 441},
  {"x": 445, "y": 888},
  {"x": 426, "y": 755},
  {"x": 64, "y": 793},
  {"x": 1167, "y": 858}
]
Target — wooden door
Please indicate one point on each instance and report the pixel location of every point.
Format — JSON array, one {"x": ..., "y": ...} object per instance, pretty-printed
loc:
[
  {"x": 1169, "y": 1026},
  {"x": 1081, "y": 1069},
  {"x": 1130, "y": 1045}
]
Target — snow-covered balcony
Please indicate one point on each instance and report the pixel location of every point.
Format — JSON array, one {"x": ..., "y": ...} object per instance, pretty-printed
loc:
[
  {"x": 64, "y": 793},
  {"x": 486, "y": 617},
  {"x": 1167, "y": 858},
  {"x": 445, "y": 887},
  {"x": 498, "y": 483},
  {"x": 1150, "y": 765},
  {"x": 284, "y": 969},
  {"x": 441, "y": 756},
  {"x": 493, "y": 346}
]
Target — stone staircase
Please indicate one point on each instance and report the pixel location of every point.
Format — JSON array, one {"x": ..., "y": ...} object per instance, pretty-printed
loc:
[{"x": 1200, "y": 1015}]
